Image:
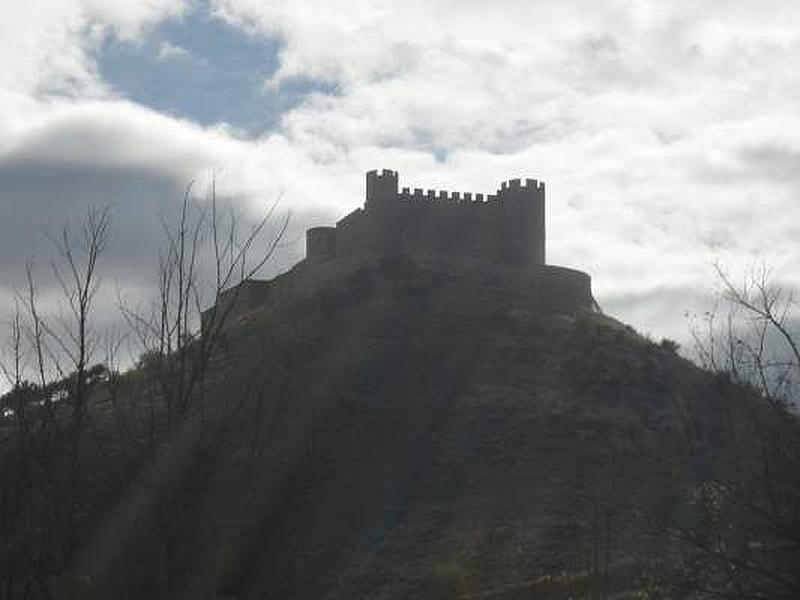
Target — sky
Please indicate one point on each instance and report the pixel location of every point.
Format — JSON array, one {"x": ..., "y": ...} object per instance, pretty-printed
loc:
[{"x": 668, "y": 133}]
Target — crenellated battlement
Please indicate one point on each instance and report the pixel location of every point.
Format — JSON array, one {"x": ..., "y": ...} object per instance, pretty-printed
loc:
[
  {"x": 512, "y": 188},
  {"x": 420, "y": 195},
  {"x": 384, "y": 175},
  {"x": 530, "y": 186}
]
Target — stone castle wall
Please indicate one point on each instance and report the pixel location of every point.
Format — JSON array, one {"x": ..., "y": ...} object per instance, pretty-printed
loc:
[
  {"x": 542, "y": 289},
  {"x": 502, "y": 228}
]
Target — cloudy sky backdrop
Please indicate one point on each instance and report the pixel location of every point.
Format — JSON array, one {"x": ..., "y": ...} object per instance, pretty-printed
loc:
[{"x": 668, "y": 133}]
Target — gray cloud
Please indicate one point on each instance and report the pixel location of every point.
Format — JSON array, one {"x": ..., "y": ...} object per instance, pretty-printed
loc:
[
  {"x": 772, "y": 163},
  {"x": 38, "y": 198}
]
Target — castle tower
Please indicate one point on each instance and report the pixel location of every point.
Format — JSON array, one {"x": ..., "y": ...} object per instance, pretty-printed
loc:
[
  {"x": 381, "y": 188},
  {"x": 320, "y": 244},
  {"x": 522, "y": 227}
]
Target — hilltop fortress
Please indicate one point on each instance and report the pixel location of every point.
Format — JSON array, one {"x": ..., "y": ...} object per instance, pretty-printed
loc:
[
  {"x": 503, "y": 228},
  {"x": 500, "y": 236}
]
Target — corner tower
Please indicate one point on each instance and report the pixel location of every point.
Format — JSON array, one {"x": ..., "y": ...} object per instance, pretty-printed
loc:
[
  {"x": 320, "y": 244},
  {"x": 522, "y": 228},
  {"x": 381, "y": 188}
]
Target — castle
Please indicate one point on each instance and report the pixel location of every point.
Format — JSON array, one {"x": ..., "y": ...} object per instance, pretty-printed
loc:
[
  {"x": 502, "y": 228},
  {"x": 501, "y": 235}
]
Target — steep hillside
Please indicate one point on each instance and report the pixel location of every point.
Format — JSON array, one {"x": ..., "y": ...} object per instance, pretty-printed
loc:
[
  {"x": 453, "y": 439},
  {"x": 408, "y": 433}
]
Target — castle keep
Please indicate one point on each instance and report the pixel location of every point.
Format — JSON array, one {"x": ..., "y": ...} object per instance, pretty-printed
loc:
[
  {"x": 502, "y": 228},
  {"x": 497, "y": 238}
]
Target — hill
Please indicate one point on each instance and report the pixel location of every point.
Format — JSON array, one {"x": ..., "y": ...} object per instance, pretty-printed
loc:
[{"x": 412, "y": 432}]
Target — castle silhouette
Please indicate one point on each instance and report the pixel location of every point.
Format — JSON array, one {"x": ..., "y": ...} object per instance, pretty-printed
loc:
[
  {"x": 500, "y": 235},
  {"x": 502, "y": 228}
]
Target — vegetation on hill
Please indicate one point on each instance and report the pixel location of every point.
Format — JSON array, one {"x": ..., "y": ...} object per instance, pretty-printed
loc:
[{"x": 404, "y": 432}]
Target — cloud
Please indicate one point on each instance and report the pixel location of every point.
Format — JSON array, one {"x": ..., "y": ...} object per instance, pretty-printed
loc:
[
  {"x": 167, "y": 51},
  {"x": 46, "y": 47},
  {"x": 667, "y": 134},
  {"x": 116, "y": 133}
]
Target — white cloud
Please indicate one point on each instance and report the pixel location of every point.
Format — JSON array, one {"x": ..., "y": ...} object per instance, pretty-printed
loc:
[
  {"x": 46, "y": 46},
  {"x": 167, "y": 51},
  {"x": 667, "y": 134},
  {"x": 129, "y": 19}
]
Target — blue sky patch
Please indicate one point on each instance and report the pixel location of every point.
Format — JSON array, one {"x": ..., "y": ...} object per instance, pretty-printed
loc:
[{"x": 199, "y": 67}]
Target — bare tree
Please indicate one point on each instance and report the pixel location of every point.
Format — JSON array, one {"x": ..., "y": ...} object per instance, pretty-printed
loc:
[
  {"x": 747, "y": 528},
  {"x": 44, "y": 483},
  {"x": 13, "y": 364},
  {"x": 41, "y": 467},
  {"x": 200, "y": 243},
  {"x": 36, "y": 326},
  {"x": 77, "y": 276},
  {"x": 206, "y": 256}
]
